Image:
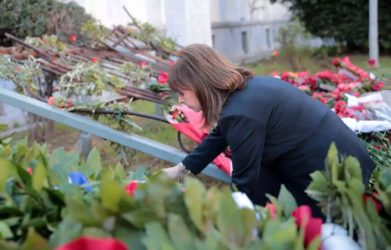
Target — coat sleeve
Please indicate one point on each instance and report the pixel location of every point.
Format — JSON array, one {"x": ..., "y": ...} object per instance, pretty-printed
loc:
[
  {"x": 209, "y": 149},
  {"x": 246, "y": 138}
]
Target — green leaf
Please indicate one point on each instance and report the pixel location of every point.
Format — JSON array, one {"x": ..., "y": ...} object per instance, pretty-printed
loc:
[
  {"x": 94, "y": 162},
  {"x": 131, "y": 237},
  {"x": 280, "y": 235},
  {"x": 66, "y": 231},
  {"x": 352, "y": 169},
  {"x": 287, "y": 201},
  {"x": 236, "y": 225},
  {"x": 319, "y": 188},
  {"x": 5, "y": 169},
  {"x": 111, "y": 193},
  {"x": 34, "y": 241},
  {"x": 156, "y": 237},
  {"x": 332, "y": 162},
  {"x": 179, "y": 233},
  {"x": 5, "y": 231},
  {"x": 194, "y": 196},
  {"x": 140, "y": 173},
  {"x": 39, "y": 176}
]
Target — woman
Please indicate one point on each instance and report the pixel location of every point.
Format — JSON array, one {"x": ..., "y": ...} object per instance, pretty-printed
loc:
[{"x": 277, "y": 133}]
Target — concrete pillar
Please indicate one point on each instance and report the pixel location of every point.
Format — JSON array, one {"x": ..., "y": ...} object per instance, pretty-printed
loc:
[{"x": 188, "y": 21}]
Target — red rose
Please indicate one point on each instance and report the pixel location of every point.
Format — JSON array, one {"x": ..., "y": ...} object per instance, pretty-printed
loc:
[
  {"x": 163, "y": 77},
  {"x": 371, "y": 62},
  {"x": 131, "y": 187},
  {"x": 312, "y": 226},
  {"x": 378, "y": 86},
  {"x": 336, "y": 62},
  {"x": 91, "y": 243},
  {"x": 339, "y": 106},
  {"x": 72, "y": 38},
  {"x": 94, "y": 59}
]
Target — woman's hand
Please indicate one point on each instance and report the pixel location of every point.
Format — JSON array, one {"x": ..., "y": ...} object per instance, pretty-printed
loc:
[{"x": 177, "y": 172}]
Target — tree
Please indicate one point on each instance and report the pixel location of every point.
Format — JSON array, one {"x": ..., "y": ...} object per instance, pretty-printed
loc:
[{"x": 344, "y": 20}]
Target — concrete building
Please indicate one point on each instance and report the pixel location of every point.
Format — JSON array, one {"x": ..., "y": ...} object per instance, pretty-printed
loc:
[{"x": 242, "y": 30}]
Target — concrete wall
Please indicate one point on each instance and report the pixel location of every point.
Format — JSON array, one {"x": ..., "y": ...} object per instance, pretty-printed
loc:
[
  {"x": 248, "y": 41},
  {"x": 245, "y": 30},
  {"x": 186, "y": 21}
]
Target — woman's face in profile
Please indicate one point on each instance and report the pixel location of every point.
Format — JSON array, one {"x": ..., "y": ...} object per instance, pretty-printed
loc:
[{"x": 189, "y": 98}]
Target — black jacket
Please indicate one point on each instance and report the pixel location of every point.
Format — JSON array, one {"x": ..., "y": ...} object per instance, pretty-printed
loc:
[{"x": 272, "y": 125}]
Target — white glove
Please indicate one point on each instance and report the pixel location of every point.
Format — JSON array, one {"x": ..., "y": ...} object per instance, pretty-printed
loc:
[{"x": 177, "y": 172}]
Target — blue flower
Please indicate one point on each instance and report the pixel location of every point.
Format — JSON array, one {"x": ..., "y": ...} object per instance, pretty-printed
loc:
[{"x": 79, "y": 179}]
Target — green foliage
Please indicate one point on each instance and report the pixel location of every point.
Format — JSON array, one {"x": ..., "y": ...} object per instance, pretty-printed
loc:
[
  {"x": 42, "y": 210},
  {"x": 33, "y": 18},
  {"x": 345, "y": 21},
  {"x": 87, "y": 79},
  {"x": 290, "y": 37},
  {"x": 26, "y": 76},
  {"x": 379, "y": 147},
  {"x": 93, "y": 32},
  {"x": 340, "y": 189}
]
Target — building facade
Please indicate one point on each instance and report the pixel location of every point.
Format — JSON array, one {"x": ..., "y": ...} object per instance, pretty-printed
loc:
[{"x": 242, "y": 30}]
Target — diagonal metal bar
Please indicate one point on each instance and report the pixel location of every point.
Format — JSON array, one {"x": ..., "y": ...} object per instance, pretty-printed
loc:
[{"x": 145, "y": 145}]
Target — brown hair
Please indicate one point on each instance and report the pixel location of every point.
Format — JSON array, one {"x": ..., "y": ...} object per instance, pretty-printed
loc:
[{"x": 210, "y": 75}]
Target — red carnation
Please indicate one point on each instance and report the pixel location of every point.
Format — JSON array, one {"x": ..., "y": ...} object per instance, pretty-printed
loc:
[
  {"x": 378, "y": 86},
  {"x": 72, "y": 38},
  {"x": 163, "y": 77},
  {"x": 94, "y": 59},
  {"x": 131, "y": 187},
  {"x": 371, "y": 62}
]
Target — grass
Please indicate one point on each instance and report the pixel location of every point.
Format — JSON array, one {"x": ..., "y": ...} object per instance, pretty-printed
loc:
[{"x": 313, "y": 65}]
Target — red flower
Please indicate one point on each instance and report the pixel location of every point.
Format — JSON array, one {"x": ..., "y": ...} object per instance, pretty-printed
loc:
[
  {"x": 339, "y": 106},
  {"x": 371, "y": 62},
  {"x": 336, "y": 62},
  {"x": 312, "y": 226},
  {"x": 378, "y": 86},
  {"x": 276, "y": 53},
  {"x": 51, "y": 101},
  {"x": 95, "y": 59},
  {"x": 29, "y": 170},
  {"x": 142, "y": 64},
  {"x": 163, "y": 77},
  {"x": 69, "y": 103},
  {"x": 373, "y": 199},
  {"x": 131, "y": 187},
  {"x": 72, "y": 38},
  {"x": 91, "y": 243},
  {"x": 272, "y": 210}
]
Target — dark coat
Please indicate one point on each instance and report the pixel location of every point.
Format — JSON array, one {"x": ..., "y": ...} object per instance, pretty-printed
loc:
[{"x": 277, "y": 134}]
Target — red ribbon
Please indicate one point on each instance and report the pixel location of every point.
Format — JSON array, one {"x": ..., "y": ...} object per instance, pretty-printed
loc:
[
  {"x": 90, "y": 243},
  {"x": 312, "y": 226}
]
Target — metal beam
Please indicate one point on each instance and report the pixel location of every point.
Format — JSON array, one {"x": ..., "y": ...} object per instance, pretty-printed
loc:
[{"x": 145, "y": 145}]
